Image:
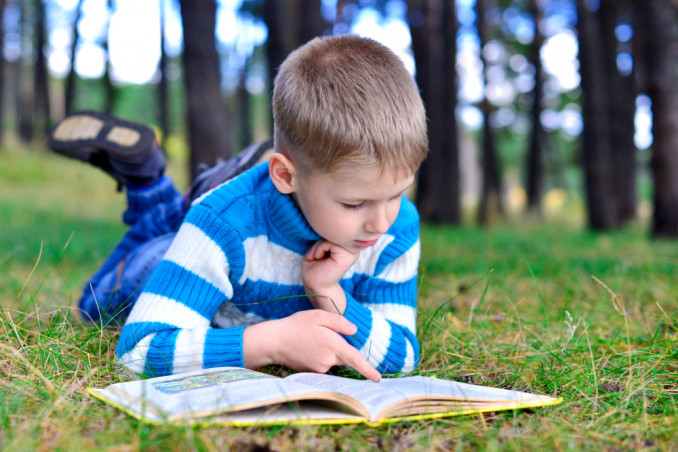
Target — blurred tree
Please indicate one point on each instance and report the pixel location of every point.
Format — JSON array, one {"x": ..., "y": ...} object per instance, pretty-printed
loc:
[
  {"x": 655, "y": 22},
  {"x": 310, "y": 22},
  {"x": 538, "y": 136},
  {"x": 71, "y": 77},
  {"x": 244, "y": 107},
  {"x": 40, "y": 85},
  {"x": 596, "y": 145},
  {"x": 290, "y": 24},
  {"x": 24, "y": 73},
  {"x": 208, "y": 121},
  {"x": 491, "y": 206},
  {"x": 163, "y": 91},
  {"x": 2, "y": 71},
  {"x": 279, "y": 18},
  {"x": 433, "y": 27},
  {"x": 608, "y": 149},
  {"x": 109, "y": 89},
  {"x": 622, "y": 96}
]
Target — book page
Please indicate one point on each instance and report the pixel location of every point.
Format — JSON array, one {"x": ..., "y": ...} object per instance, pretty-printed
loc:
[
  {"x": 375, "y": 397},
  {"x": 206, "y": 392},
  {"x": 304, "y": 412},
  {"x": 434, "y": 387},
  {"x": 398, "y": 396}
]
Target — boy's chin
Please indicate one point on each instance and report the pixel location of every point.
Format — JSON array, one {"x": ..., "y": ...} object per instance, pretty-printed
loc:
[{"x": 351, "y": 246}]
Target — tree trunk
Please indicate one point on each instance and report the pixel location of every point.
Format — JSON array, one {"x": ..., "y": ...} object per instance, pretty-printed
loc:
[
  {"x": 244, "y": 108},
  {"x": 2, "y": 72},
  {"x": 70, "y": 79},
  {"x": 622, "y": 97},
  {"x": 311, "y": 22},
  {"x": 451, "y": 209},
  {"x": 596, "y": 145},
  {"x": 279, "y": 18},
  {"x": 163, "y": 95},
  {"x": 25, "y": 88},
  {"x": 290, "y": 24},
  {"x": 40, "y": 81},
  {"x": 657, "y": 19},
  {"x": 538, "y": 137},
  {"x": 208, "y": 121},
  {"x": 433, "y": 28},
  {"x": 491, "y": 206},
  {"x": 109, "y": 89}
]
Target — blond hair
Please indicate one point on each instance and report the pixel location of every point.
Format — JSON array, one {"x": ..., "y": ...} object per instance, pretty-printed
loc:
[{"x": 346, "y": 100}]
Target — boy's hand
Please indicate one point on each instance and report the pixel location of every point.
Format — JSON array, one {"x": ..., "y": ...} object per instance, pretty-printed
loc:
[
  {"x": 325, "y": 263},
  {"x": 305, "y": 341}
]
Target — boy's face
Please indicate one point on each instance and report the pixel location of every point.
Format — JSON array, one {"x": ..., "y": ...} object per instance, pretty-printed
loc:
[{"x": 351, "y": 208}]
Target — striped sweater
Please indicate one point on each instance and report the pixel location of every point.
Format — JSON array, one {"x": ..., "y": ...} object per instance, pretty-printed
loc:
[{"x": 236, "y": 260}]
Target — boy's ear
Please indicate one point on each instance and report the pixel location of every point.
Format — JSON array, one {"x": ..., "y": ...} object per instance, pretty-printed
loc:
[{"x": 283, "y": 173}]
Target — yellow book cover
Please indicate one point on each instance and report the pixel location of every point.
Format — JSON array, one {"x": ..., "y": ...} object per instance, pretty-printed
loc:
[{"x": 237, "y": 396}]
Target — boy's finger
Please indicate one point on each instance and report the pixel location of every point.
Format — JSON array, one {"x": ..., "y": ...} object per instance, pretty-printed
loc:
[
  {"x": 336, "y": 323},
  {"x": 316, "y": 251},
  {"x": 310, "y": 252},
  {"x": 350, "y": 356},
  {"x": 323, "y": 250},
  {"x": 344, "y": 351}
]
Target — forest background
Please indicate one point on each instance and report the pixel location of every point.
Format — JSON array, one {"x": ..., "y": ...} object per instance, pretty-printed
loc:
[
  {"x": 552, "y": 125},
  {"x": 569, "y": 99}
]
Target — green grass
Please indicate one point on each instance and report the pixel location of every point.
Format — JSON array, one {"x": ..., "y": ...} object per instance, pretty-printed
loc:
[{"x": 548, "y": 308}]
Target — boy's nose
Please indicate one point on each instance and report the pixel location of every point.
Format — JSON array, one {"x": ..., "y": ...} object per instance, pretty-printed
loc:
[{"x": 378, "y": 222}]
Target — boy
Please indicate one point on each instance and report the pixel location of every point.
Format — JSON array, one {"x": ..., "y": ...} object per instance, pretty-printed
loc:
[{"x": 309, "y": 260}]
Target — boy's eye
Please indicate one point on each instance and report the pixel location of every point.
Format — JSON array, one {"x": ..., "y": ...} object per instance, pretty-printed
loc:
[{"x": 352, "y": 206}]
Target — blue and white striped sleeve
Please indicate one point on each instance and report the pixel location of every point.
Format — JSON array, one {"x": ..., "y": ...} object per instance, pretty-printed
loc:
[{"x": 168, "y": 330}]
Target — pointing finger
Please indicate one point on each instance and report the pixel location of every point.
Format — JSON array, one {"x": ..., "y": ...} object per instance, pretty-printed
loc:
[{"x": 350, "y": 356}]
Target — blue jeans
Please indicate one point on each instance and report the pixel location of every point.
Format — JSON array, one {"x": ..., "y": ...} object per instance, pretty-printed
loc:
[{"x": 153, "y": 215}]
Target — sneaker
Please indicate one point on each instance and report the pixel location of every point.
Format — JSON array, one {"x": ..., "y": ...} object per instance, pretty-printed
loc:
[
  {"x": 127, "y": 151},
  {"x": 228, "y": 169}
]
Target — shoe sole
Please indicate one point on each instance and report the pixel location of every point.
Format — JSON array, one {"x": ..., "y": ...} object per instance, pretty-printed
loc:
[{"x": 86, "y": 132}]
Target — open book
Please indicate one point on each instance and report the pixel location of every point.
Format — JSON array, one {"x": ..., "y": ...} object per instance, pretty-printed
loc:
[{"x": 237, "y": 396}]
